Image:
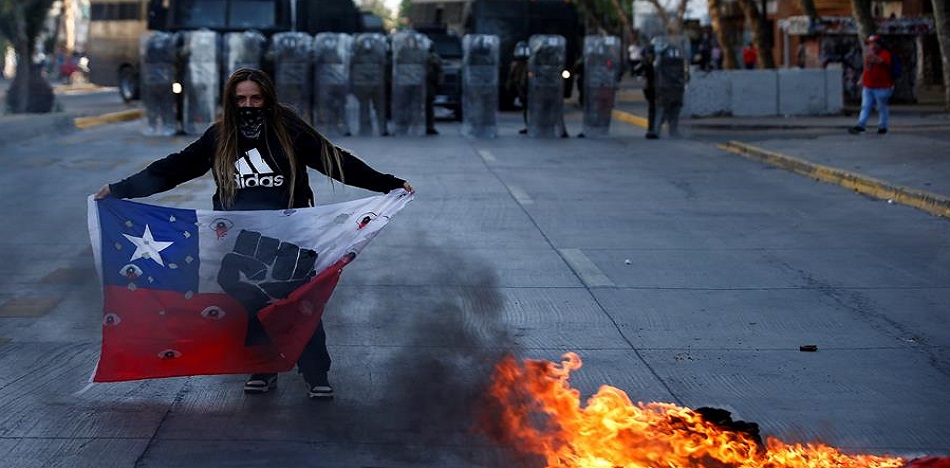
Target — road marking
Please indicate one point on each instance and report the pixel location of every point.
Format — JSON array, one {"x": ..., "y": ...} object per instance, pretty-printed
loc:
[
  {"x": 585, "y": 268},
  {"x": 28, "y": 306},
  {"x": 520, "y": 196},
  {"x": 86, "y": 122},
  {"x": 932, "y": 203},
  {"x": 630, "y": 118},
  {"x": 487, "y": 156}
]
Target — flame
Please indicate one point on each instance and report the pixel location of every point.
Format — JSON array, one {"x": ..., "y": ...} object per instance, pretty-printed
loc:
[{"x": 534, "y": 410}]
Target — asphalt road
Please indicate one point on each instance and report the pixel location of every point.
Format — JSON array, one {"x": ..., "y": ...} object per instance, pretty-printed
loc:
[{"x": 678, "y": 272}]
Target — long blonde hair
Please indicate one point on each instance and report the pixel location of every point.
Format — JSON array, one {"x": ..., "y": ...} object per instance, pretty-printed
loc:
[{"x": 275, "y": 113}]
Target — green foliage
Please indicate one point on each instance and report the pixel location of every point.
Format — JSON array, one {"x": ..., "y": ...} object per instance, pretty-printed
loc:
[
  {"x": 603, "y": 13},
  {"x": 32, "y": 13},
  {"x": 404, "y": 8}
]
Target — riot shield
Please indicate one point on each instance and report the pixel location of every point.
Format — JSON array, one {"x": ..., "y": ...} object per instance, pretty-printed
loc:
[
  {"x": 292, "y": 52},
  {"x": 159, "y": 53},
  {"x": 200, "y": 80},
  {"x": 242, "y": 50},
  {"x": 480, "y": 85},
  {"x": 331, "y": 67},
  {"x": 670, "y": 70},
  {"x": 545, "y": 85},
  {"x": 410, "y": 55},
  {"x": 368, "y": 82},
  {"x": 601, "y": 62}
]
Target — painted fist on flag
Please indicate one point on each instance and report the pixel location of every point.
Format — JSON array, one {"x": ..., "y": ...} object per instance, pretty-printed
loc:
[{"x": 261, "y": 270}]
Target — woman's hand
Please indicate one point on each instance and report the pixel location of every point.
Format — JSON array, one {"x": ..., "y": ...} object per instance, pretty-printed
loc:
[
  {"x": 105, "y": 192},
  {"x": 406, "y": 185}
]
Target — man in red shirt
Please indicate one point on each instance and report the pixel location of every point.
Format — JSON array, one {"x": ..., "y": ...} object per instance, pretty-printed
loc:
[
  {"x": 877, "y": 86},
  {"x": 749, "y": 55}
]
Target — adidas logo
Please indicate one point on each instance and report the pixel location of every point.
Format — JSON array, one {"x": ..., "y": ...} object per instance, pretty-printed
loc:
[{"x": 253, "y": 171}]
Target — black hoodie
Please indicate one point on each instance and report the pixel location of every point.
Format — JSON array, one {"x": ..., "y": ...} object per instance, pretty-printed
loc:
[{"x": 263, "y": 170}]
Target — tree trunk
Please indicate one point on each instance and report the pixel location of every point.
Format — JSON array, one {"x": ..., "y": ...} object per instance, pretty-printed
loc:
[
  {"x": 674, "y": 26},
  {"x": 757, "y": 26},
  {"x": 21, "y": 91},
  {"x": 592, "y": 14},
  {"x": 863, "y": 18},
  {"x": 943, "y": 37},
  {"x": 624, "y": 21},
  {"x": 722, "y": 36},
  {"x": 664, "y": 17},
  {"x": 808, "y": 8}
]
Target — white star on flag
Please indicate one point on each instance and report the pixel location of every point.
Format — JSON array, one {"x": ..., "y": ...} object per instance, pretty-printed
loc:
[{"x": 147, "y": 247}]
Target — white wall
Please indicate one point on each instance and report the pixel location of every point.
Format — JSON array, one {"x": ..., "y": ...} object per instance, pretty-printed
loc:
[{"x": 755, "y": 93}]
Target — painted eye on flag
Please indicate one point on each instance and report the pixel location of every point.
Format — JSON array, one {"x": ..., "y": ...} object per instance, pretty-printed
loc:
[
  {"x": 365, "y": 219},
  {"x": 213, "y": 312},
  {"x": 111, "y": 319},
  {"x": 131, "y": 272},
  {"x": 221, "y": 226},
  {"x": 169, "y": 354}
]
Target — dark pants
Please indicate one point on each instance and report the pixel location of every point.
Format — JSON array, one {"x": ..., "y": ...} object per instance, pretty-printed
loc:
[
  {"x": 650, "y": 96},
  {"x": 670, "y": 114},
  {"x": 430, "y": 110},
  {"x": 315, "y": 359}
]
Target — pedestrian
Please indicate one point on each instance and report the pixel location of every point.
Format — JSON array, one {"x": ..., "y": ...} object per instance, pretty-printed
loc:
[
  {"x": 256, "y": 139},
  {"x": 633, "y": 58},
  {"x": 649, "y": 89},
  {"x": 749, "y": 56},
  {"x": 877, "y": 85},
  {"x": 433, "y": 81}
]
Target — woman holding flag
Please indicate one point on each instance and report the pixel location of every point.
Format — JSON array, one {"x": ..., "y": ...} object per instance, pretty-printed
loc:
[{"x": 258, "y": 153}]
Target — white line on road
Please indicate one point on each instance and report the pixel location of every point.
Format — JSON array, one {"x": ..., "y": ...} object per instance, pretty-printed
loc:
[
  {"x": 585, "y": 268},
  {"x": 487, "y": 156},
  {"x": 520, "y": 196}
]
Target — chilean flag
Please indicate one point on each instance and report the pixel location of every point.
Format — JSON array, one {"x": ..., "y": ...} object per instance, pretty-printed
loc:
[{"x": 199, "y": 292}]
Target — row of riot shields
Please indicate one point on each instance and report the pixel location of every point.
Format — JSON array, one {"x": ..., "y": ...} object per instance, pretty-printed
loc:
[
  {"x": 339, "y": 82},
  {"x": 545, "y": 84}
]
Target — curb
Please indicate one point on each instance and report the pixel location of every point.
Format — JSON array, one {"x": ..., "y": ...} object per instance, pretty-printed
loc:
[
  {"x": 121, "y": 116},
  {"x": 929, "y": 202},
  {"x": 629, "y": 118},
  {"x": 937, "y": 205}
]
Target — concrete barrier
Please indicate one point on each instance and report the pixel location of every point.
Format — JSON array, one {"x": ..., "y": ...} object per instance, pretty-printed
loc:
[
  {"x": 754, "y": 92},
  {"x": 761, "y": 93}
]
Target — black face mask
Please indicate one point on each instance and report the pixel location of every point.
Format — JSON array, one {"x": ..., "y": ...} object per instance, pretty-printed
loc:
[{"x": 251, "y": 121}]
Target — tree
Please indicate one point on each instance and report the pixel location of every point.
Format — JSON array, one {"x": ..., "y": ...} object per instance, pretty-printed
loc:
[
  {"x": 21, "y": 22},
  {"x": 378, "y": 8},
  {"x": 757, "y": 26},
  {"x": 861, "y": 9},
  {"x": 808, "y": 7},
  {"x": 402, "y": 18},
  {"x": 674, "y": 25},
  {"x": 943, "y": 36},
  {"x": 606, "y": 15},
  {"x": 726, "y": 45}
]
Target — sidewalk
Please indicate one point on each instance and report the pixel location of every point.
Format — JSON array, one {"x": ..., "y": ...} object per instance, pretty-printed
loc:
[
  {"x": 15, "y": 128},
  {"x": 909, "y": 165}
]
